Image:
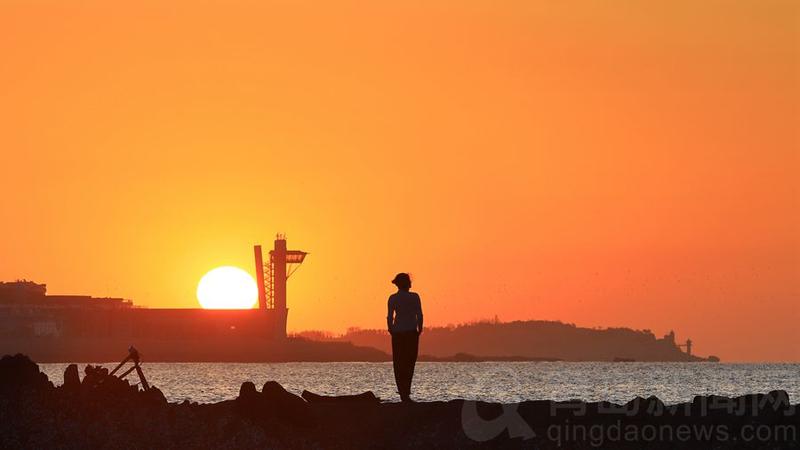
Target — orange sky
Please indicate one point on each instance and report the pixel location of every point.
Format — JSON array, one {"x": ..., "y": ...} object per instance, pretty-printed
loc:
[{"x": 633, "y": 164}]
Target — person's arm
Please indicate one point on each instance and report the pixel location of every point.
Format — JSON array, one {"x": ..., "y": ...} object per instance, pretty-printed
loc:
[
  {"x": 390, "y": 316},
  {"x": 419, "y": 315}
]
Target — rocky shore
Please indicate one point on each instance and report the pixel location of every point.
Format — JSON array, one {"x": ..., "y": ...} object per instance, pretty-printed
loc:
[{"x": 101, "y": 411}]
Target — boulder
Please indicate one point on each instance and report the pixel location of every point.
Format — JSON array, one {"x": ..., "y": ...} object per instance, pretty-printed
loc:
[
  {"x": 778, "y": 400},
  {"x": 18, "y": 373},
  {"x": 286, "y": 405},
  {"x": 363, "y": 398},
  {"x": 154, "y": 396},
  {"x": 248, "y": 391},
  {"x": 273, "y": 403},
  {"x": 72, "y": 381}
]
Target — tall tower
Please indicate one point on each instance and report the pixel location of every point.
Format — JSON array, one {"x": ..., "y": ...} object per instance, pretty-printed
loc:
[
  {"x": 262, "y": 291},
  {"x": 272, "y": 278},
  {"x": 277, "y": 258}
]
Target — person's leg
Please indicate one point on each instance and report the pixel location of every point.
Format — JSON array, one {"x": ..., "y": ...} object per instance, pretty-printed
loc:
[
  {"x": 413, "y": 350},
  {"x": 397, "y": 362},
  {"x": 402, "y": 365},
  {"x": 407, "y": 364},
  {"x": 410, "y": 359}
]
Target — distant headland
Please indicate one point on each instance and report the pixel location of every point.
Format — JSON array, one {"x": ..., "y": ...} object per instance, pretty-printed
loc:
[{"x": 530, "y": 340}]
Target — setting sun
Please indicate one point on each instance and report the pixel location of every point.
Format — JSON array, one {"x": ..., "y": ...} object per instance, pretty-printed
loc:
[{"x": 227, "y": 287}]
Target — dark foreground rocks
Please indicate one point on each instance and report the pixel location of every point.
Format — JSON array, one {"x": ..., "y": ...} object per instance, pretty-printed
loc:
[{"x": 100, "y": 411}]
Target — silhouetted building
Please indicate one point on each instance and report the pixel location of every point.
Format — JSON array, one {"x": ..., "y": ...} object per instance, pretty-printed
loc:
[{"x": 28, "y": 316}]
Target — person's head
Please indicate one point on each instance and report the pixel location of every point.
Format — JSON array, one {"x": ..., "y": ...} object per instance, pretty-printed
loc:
[{"x": 402, "y": 281}]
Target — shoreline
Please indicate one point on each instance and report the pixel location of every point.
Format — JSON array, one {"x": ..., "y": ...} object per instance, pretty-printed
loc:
[{"x": 101, "y": 411}]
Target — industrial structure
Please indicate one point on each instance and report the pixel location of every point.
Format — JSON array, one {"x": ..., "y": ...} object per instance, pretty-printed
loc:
[
  {"x": 30, "y": 318},
  {"x": 272, "y": 277}
]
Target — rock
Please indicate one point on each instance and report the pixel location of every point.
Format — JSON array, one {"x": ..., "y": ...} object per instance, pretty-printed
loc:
[
  {"x": 18, "y": 373},
  {"x": 286, "y": 405},
  {"x": 636, "y": 406},
  {"x": 248, "y": 391},
  {"x": 775, "y": 402},
  {"x": 154, "y": 396},
  {"x": 654, "y": 406},
  {"x": 363, "y": 398},
  {"x": 72, "y": 381},
  {"x": 272, "y": 391},
  {"x": 274, "y": 402},
  {"x": 248, "y": 401}
]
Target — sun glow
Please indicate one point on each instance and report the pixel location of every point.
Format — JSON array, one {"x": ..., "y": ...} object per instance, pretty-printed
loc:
[{"x": 227, "y": 287}]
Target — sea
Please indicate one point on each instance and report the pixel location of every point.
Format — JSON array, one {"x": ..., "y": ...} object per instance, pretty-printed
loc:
[{"x": 505, "y": 382}]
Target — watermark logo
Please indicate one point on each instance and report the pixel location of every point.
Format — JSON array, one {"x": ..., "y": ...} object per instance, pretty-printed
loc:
[
  {"x": 642, "y": 420},
  {"x": 481, "y": 430}
]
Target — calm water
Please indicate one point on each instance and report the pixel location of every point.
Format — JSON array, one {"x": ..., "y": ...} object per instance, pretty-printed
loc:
[{"x": 489, "y": 381}]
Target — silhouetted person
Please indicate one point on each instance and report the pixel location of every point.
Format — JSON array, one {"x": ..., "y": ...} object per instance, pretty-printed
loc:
[{"x": 405, "y": 325}]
